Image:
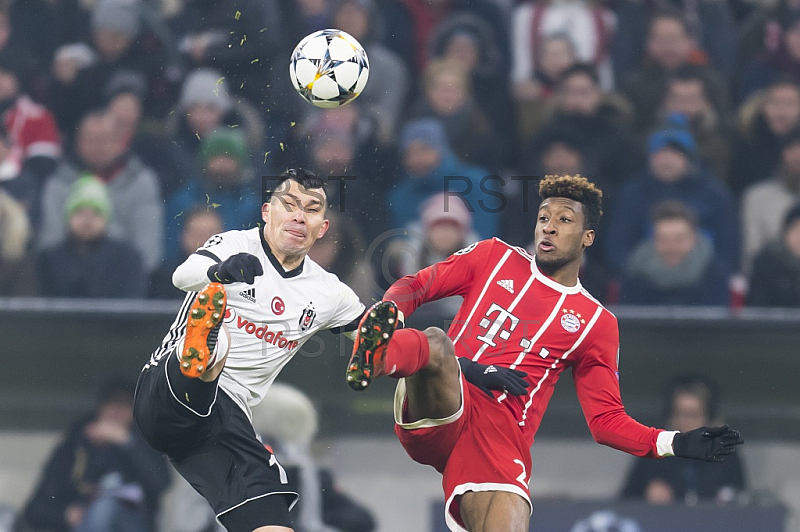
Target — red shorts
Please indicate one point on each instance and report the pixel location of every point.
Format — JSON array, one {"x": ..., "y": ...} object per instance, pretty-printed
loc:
[{"x": 479, "y": 448}]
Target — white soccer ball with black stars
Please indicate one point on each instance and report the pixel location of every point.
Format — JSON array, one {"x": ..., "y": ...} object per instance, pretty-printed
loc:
[{"x": 329, "y": 68}]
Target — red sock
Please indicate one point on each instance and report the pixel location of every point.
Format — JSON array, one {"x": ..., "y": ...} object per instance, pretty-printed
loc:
[{"x": 407, "y": 353}]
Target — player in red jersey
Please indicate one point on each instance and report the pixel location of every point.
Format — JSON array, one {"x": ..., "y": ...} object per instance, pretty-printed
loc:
[{"x": 525, "y": 317}]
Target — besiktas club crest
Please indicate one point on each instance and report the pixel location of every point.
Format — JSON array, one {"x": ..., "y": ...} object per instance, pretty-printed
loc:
[{"x": 307, "y": 317}]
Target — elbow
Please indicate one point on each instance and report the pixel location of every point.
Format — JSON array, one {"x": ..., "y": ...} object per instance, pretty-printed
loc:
[{"x": 182, "y": 279}]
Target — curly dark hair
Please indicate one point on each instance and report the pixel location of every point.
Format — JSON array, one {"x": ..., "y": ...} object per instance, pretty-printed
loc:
[{"x": 578, "y": 188}]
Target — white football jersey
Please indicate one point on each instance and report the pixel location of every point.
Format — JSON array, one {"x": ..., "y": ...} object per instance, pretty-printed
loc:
[{"x": 270, "y": 319}]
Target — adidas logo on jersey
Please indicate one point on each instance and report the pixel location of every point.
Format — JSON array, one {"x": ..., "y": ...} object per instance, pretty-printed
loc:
[
  {"x": 249, "y": 294},
  {"x": 508, "y": 284}
]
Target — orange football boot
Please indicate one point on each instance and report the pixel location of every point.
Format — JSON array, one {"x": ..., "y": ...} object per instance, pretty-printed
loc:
[
  {"x": 202, "y": 328},
  {"x": 374, "y": 332}
]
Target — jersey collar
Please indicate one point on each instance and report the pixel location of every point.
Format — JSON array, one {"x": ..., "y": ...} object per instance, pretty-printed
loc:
[
  {"x": 545, "y": 280},
  {"x": 275, "y": 262}
]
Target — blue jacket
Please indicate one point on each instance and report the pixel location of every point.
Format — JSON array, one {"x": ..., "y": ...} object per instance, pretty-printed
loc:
[
  {"x": 239, "y": 207},
  {"x": 708, "y": 197},
  {"x": 481, "y": 193}
]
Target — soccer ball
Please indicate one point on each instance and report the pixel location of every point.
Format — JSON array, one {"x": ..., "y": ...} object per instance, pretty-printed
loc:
[{"x": 329, "y": 68}]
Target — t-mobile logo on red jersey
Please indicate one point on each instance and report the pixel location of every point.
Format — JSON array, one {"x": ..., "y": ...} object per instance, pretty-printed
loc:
[{"x": 496, "y": 328}]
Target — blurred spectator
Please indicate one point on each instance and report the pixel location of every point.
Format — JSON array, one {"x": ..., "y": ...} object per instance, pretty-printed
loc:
[
  {"x": 199, "y": 225},
  {"x": 691, "y": 401},
  {"x": 206, "y": 105},
  {"x": 443, "y": 227},
  {"x": 775, "y": 279},
  {"x": 354, "y": 188},
  {"x": 780, "y": 62},
  {"x": 303, "y": 17},
  {"x": 585, "y": 27},
  {"x": 16, "y": 267},
  {"x": 15, "y": 43},
  {"x": 599, "y": 123},
  {"x": 470, "y": 41},
  {"x": 287, "y": 421},
  {"x": 676, "y": 265},
  {"x": 710, "y": 26},
  {"x": 385, "y": 100},
  {"x": 88, "y": 263},
  {"x": 448, "y": 97},
  {"x": 430, "y": 167},
  {"x": 669, "y": 47},
  {"x": 101, "y": 477},
  {"x": 243, "y": 39},
  {"x": 343, "y": 252},
  {"x": 765, "y": 204},
  {"x": 414, "y": 22},
  {"x": 225, "y": 185},
  {"x": 688, "y": 94},
  {"x": 44, "y": 26},
  {"x": 137, "y": 203},
  {"x": 764, "y": 122},
  {"x": 31, "y": 130},
  {"x": 117, "y": 40},
  {"x": 124, "y": 102},
  {"x": 555, "y": 55},
  {"x": 671, "y": 174}
]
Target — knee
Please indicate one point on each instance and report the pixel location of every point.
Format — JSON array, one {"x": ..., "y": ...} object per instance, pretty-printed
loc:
[{"x": 440, "y": 347}]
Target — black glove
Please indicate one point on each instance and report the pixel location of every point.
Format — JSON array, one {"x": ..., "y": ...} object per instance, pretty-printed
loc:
[
  {"x": 239, "y": 268},
  {"x": 711, "y": 444},
  {"x": 488, "y": 378}
]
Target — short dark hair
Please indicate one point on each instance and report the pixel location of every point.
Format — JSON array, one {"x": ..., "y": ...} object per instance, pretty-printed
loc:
[
  {"x": 578, "y": 188},
  {"x": 305, "y": 178},
  {"x": 674, "y": 210},
  {"x": 695, "y": 384}
]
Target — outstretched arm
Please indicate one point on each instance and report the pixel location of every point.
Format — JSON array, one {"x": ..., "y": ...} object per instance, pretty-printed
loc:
[
  {"x": 450, "y": 277},
  {"x": 597, "y": 385}
]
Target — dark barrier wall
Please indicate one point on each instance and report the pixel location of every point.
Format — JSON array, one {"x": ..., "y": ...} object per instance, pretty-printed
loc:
[{"x": 56, "y": 353}]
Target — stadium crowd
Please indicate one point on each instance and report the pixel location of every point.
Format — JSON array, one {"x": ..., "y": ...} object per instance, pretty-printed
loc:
[{"x": 133, "y": 130}]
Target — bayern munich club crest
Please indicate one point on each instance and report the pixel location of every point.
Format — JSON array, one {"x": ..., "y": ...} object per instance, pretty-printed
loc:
[
  {"x": 307, "y": 317},
  {"x": 570, "y": 321},
  {"x": 278, "y": 306}
]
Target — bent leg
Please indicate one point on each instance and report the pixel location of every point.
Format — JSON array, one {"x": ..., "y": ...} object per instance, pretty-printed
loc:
[
  {"x": 434, "y": 392},
  {"x": 489, "y": 511}
]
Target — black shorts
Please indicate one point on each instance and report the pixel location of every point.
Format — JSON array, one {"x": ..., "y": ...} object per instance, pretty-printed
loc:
[{"x": 212, "y": 444}]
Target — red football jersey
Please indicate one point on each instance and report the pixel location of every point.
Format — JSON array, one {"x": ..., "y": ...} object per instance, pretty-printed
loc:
[{"x": 516, "y": 317}]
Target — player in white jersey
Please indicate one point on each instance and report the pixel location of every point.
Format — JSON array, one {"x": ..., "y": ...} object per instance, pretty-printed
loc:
[{"x": 227, "y": 345}]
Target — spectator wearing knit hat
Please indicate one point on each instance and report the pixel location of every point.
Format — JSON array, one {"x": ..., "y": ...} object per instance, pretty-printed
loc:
[
  {"x": 444, "y": 226},
  {"x": 101, "y": 148},
  {"x": 88, "y": 263},
  {"x": 225, "y": 185},
  {"x": 430, "y": 167},
  {"x": 775, "y": 280},
  {"x": 205, "y": 104},
  {"x": 672, "y": 175}
]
